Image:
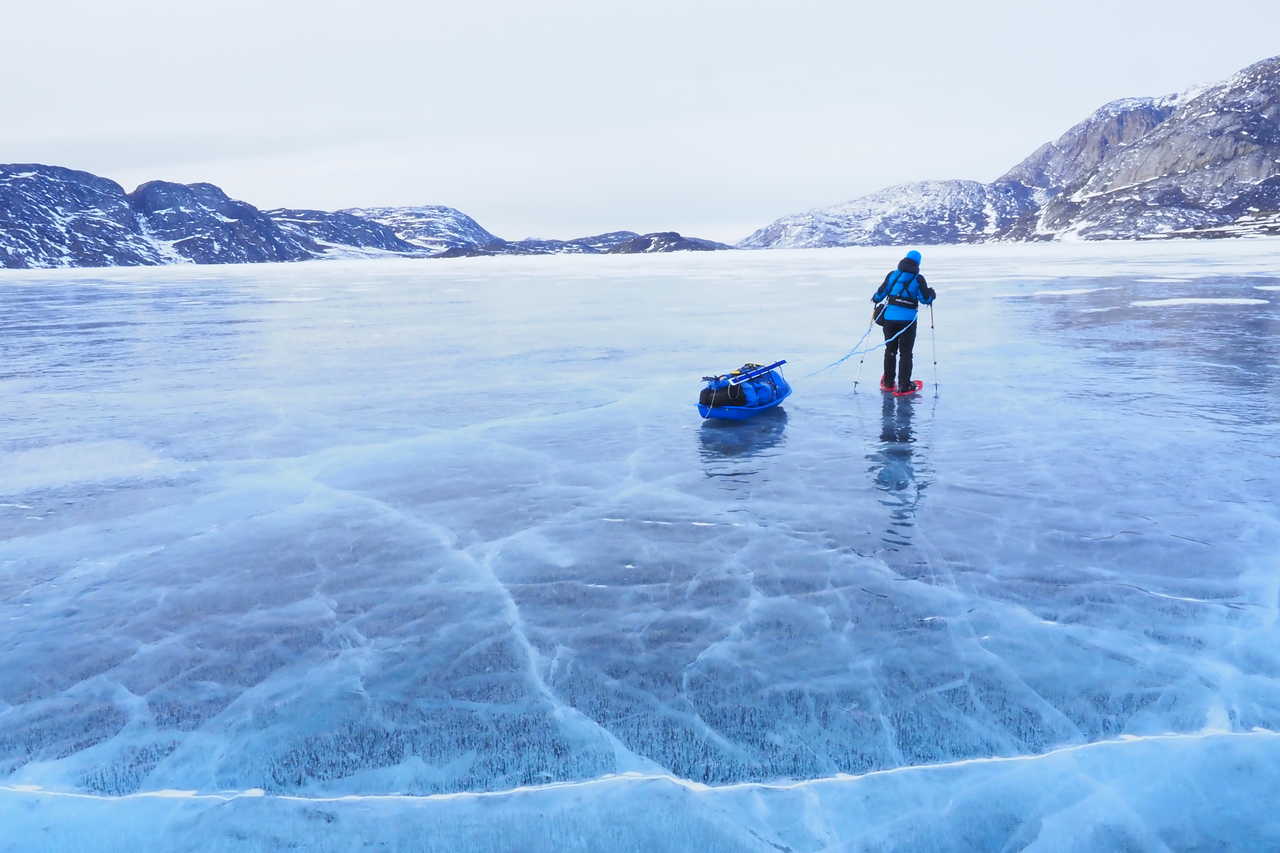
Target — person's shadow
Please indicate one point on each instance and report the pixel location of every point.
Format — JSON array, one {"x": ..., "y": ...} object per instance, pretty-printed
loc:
[{"x": 893, "y": 471}]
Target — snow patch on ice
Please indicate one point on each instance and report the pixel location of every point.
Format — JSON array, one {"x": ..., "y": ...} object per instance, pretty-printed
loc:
[
  {"x": 1198, "y": 300},
  {"x": 82, "y": 462},
  {"x": 1071, "y": 292}
]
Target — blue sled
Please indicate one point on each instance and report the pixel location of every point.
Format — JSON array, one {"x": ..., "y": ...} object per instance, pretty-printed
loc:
[{"x": 744, "y": 393}]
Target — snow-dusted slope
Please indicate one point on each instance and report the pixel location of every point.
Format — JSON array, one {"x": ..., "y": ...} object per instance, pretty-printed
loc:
[
  {"x": 338, "y": 231},
  {"x": 1203, "y": 163},
  {"x": 924, "y": 212},
  {"x": 430, "y": 226},
  {"x": 201, "y": 224}
]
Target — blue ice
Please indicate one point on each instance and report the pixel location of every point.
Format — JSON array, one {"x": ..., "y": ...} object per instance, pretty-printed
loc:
[{"x": 439, "y": 555}]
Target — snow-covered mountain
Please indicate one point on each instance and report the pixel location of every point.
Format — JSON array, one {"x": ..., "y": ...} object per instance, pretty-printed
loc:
[
  {"x": 1202, "y": 163},
  {"x": 51, "y": 216},
  {"x": 1212, "y": 166}
]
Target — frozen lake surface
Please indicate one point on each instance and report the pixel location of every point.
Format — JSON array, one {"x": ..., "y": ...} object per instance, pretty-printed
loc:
[{"x": 438, "y": 555}]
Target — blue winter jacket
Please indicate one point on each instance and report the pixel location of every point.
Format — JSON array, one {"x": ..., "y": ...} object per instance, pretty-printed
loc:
[{"x": 904, "y": 284}]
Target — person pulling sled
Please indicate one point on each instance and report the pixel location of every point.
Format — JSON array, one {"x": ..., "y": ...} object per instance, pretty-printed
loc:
[{"x": 903, "y": 292}]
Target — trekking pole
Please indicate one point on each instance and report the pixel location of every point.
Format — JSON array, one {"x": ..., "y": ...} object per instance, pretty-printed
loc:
[
  {"x": 933, "y": 339},
  {"x": 857, "y": 377}
]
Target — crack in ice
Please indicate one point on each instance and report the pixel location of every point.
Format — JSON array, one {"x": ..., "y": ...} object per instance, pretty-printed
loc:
[{"x": 639, "y": 777}]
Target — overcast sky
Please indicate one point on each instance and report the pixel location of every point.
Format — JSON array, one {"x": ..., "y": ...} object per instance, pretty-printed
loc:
[{"x": 558, "y": 118}]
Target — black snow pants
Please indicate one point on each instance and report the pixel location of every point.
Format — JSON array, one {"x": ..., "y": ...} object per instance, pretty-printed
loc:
[{"x": 897, "y": 353}]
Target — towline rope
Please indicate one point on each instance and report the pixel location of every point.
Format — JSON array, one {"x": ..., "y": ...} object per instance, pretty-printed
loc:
[{"x": 858, "y": 351}]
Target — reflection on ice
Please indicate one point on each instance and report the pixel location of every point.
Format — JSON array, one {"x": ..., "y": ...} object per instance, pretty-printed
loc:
[
  {"x": 895, "y": 470},
  {"x": 745, "y": 439}
]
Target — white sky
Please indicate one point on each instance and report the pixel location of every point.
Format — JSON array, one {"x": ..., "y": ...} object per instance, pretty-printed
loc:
[{"x": 559, "y": 118}]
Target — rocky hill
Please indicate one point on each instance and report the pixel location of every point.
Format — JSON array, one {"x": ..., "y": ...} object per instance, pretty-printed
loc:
[{"x": 1204, "y": 163}]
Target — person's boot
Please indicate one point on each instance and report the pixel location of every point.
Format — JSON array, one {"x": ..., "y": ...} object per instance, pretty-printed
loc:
[
  {"x": 904, "y": 390},
  {"x": 886, "y": 383}
]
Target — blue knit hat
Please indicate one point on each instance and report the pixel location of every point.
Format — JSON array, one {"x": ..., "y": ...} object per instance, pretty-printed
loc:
[{"x": 913, "y": 255}]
